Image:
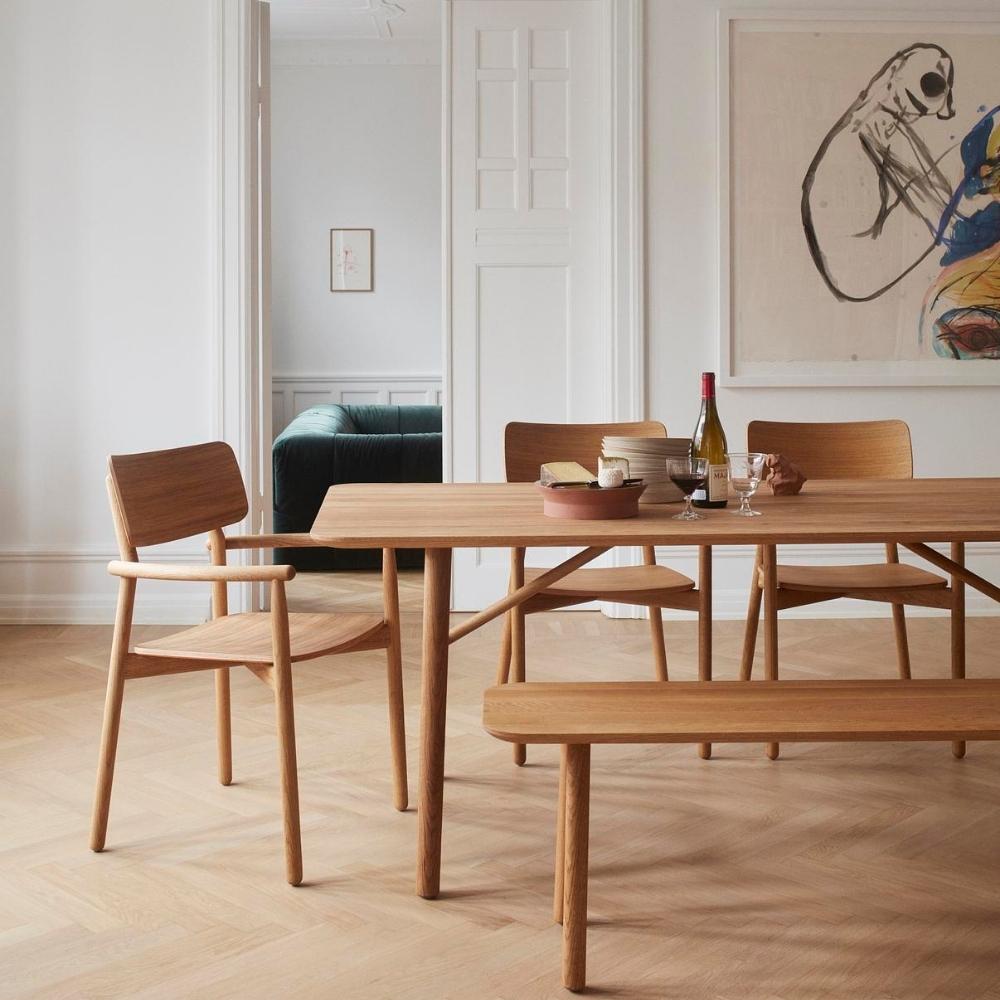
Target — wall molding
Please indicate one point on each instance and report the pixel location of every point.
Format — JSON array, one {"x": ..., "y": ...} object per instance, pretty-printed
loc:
[{"x": 293, "y": 392}]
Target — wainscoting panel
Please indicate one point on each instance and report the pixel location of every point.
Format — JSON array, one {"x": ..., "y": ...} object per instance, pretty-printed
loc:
[{"x": 291, "y": 394}]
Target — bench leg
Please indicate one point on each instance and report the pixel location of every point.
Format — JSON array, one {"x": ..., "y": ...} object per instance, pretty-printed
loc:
[
  {"x": 958, "y": 630},
  {"x": 560, "y": 865},
  {"x": 770, "y": 564},
  {"x": 574, "y": 957}
]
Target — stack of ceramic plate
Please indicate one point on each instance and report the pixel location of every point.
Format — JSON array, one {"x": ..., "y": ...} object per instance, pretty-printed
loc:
[{"x": 647, "y": 459}]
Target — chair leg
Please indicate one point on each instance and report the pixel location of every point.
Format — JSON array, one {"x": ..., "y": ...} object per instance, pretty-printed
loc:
[
  {"x": 577, "y": 834},
  {"x": 659, "y": 644},
  {"x": 518, "y": 669},
  {"x": 770, "y": 564},
  {"x": 753, "y": 619},
  {"x": 517, "y": 617},
  {"x": 112, "y": 715},
  {"x": 224, "y": 725},
  {"x": 503, "y": 667},
  {"x": 656, "y": 623},
  {"x": 899, "y": 621},
  {"x": 106, "y": 761},
  {"x": 285, "y": 712},
  {"x": 397, "y": 726},
  {"x": 394, "y": 680},
  {"x": 958, "y": 631},
  {"x": 223, "y": 701},
  {"x": 902, "y": 643},
  {"x": 560, "y": 866}
]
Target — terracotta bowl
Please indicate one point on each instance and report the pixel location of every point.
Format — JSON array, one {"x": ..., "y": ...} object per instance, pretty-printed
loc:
[{"x": 591, "y": 505}]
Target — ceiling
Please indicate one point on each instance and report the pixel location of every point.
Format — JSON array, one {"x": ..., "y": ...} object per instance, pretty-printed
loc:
[{"x": 361, "y": 20}]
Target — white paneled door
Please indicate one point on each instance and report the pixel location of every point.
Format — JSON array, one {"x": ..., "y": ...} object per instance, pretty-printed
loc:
[{"x": 530, "y": 219}]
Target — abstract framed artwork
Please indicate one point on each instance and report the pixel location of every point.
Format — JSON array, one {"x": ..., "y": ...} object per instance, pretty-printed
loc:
[
  {"x": 352, "y": 260},
  {"x": 860, "y": 198}
]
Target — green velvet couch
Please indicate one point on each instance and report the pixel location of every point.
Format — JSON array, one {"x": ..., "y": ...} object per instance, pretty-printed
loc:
[{"x": 332, "y": 444}]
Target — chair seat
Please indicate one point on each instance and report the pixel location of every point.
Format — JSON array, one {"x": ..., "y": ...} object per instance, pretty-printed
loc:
[
  {"x": 876, "y": 576},
  {"x": 246, "y": 638},
  {"x": 617, "y": 581}
]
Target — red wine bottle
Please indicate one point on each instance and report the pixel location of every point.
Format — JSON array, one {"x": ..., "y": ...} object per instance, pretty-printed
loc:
[{"x": 709, "y": 441}]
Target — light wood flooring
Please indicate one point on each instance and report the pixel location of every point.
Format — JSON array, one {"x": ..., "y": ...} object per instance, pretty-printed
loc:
[{"x": 854, "y": 872}]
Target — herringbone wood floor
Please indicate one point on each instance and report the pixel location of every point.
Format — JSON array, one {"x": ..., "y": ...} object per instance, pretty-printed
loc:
[{"x": 854, "y": 872}]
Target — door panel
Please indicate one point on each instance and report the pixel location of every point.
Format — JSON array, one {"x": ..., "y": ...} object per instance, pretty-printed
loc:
[{"x": 530, "y": 203}]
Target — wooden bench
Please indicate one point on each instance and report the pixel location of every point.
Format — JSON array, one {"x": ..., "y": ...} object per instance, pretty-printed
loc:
[{"x": 579, "y": 715}]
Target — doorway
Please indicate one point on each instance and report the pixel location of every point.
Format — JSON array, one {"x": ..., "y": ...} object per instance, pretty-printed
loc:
[{"x": 505, "y": 235}]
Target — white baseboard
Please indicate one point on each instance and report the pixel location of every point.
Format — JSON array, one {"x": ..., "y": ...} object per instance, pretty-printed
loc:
[
  {"x": 74, "y": 609},
  {"x": 293, "y": 392},
  {"x": 35, "y": 588}
]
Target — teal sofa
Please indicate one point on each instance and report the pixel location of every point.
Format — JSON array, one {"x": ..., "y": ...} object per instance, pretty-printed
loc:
[{"x": 335, "y": 443}]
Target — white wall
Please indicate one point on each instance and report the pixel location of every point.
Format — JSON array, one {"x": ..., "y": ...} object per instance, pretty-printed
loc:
[
  {"x": 952, "y": 427},
  {"x": 355, "y": 146},
  {"x": 106, "y": 280}
]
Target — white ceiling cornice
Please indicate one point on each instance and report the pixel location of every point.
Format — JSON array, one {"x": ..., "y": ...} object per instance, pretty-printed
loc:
[{"x": 355, "y": 20}]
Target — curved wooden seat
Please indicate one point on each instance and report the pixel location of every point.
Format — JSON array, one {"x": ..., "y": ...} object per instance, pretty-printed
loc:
[
  {"x": 163, "y": 496},
  {"x": 876, "y": 576},
  {"x": 636, "y": 582},
  {"x": 246, "y": 638}
]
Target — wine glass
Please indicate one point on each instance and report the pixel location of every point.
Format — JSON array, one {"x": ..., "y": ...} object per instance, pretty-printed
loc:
[
  {"x": 745, "y": 471},
  {"x": 688, "y": 474}
]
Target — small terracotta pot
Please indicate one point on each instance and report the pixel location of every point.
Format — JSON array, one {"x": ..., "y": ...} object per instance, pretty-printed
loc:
[{"x": 591, "y": 504}]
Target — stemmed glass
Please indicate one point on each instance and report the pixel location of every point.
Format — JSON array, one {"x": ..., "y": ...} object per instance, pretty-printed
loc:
[
  {"x": 745, "y": 471},
  {"x": 688, "y": 474}
]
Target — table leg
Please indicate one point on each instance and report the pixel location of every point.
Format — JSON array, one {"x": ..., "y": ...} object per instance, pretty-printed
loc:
[
  {"x": 958, "y": 629},
  {"x": 705, "y": 626},
  {"x": 771, "y": 624},
  {"x": 433, "y": 701}
]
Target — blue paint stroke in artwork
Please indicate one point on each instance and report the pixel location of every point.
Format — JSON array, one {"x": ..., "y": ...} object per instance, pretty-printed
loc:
[{"x": 981, "y": 229}]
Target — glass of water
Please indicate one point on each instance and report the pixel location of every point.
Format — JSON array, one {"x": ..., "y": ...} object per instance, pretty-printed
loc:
[{"x": 745, "y": 471}]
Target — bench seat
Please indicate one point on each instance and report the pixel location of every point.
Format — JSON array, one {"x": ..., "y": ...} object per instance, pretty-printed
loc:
[{"x": 742, "y": 712}]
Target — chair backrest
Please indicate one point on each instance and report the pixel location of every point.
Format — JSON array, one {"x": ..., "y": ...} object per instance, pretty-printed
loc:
[
  {"x": 527, "y": 446},
  {"x": 861, "y": 449},
  {"x": 165, "y": 495}
]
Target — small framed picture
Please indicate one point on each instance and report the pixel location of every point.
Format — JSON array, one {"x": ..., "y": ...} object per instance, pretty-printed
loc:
[{"x": 352, "y": 260}]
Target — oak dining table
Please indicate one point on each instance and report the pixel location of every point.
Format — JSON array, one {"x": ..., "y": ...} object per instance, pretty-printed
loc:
[{"x": 441, "y": 517}]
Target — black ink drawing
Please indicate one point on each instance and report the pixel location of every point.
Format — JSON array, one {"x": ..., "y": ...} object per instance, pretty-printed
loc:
[{"x": 877, "y": 201}]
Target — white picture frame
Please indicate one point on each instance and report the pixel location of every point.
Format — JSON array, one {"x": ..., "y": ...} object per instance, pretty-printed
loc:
[
  {"x": 352, "y": 260},
  {"x": 735, "y": 370}
]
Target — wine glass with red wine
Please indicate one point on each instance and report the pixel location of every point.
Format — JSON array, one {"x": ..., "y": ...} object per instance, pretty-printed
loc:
[{"x": 688, "y": 475}]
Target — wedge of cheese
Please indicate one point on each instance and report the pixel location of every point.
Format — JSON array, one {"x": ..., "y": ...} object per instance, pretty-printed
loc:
[{"x": 565, "y": 472}]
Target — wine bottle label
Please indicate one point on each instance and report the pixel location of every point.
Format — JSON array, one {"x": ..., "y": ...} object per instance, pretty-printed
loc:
[
  {"x": 698, "y": 495},
  {"x": 718, "y": 483}
]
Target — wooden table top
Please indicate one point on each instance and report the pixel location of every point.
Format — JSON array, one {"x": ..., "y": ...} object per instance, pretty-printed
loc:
[{"x": 470, "y": 515}]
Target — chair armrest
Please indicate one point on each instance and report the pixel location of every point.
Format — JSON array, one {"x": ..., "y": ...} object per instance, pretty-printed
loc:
[
  {"x": 176, "y": 571},
  {"x": 297, "y": 540}
]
